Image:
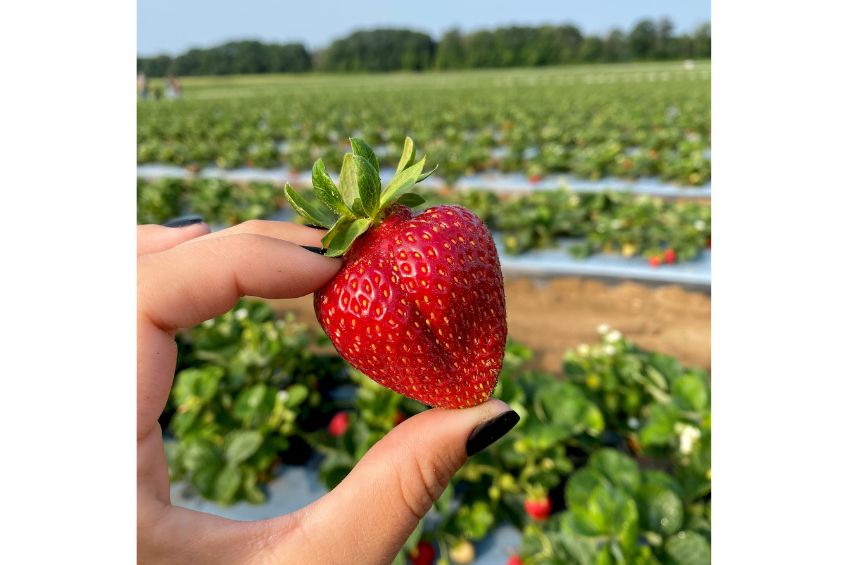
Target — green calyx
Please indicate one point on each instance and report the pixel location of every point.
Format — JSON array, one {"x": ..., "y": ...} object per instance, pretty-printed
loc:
[{"x": 359, "y": 201}]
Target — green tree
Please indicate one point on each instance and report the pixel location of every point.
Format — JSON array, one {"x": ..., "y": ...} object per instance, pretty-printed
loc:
[
  {"x": 643, "y": 40},
  {"x": 450, "y": 53}
]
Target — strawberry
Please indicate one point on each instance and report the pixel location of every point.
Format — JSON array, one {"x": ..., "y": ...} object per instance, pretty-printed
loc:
[
  {"x": 423, "y": 554},
  {"x": 655, "y": 261},
  {"x": 462, "y": 553},
  {"x": 538, "y": 508},
  {"x": 418, "y": 304},
  {"x": 535, "y": 178},
  {"x": 670, "y": 256},
  {"x": 338, "y": 425},
  {"x": 514, "y": 560}
]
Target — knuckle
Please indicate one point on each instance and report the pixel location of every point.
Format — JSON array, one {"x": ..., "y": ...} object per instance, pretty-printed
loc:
[{"x": 421, "y": 480}]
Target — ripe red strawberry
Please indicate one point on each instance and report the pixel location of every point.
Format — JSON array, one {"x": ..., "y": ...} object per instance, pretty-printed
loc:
[
  {"x": 418, "y": 305},
  {"x": 535, "y": 178},
  {"x": 670, "y": 256},
  {"x": 655, "y": 261},
  {"x": 338, "y": 425},
  {"x": 538, "y": 509},
  {"x": 400, "y": 417},
  {"x": 423, "y": 554},
  {"x": 514, "y": 560}
]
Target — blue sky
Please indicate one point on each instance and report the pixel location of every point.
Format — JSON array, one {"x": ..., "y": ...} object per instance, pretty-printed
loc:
[{"x": 172, "y": 26}]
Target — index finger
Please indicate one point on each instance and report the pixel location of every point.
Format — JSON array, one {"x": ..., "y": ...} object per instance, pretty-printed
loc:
[{"x": 200, "y": 279}]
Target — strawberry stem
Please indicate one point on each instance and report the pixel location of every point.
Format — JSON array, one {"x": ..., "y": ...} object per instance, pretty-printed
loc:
[{"x": 359, "y": 201}]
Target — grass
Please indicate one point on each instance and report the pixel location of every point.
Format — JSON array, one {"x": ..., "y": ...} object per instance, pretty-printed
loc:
[{"x": 236, "y": 86}]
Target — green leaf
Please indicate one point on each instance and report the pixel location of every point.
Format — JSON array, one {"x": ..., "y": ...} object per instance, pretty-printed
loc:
[
  {"x": 241, "y": 444},
  {"x": 359, "y": 180},
  {"x": 341, "y": 225},
  {"x": 427, "y": 174},
  {"x": 402, "y": 182},
  {"x": 412, "y": 200},
  {"x": 348, "y": 184},
  {"x": 408, "y": 154},
  {"x": 618, "y": 468},
  {"x": 690, "y": 392},
  {"x": 251, "y": 490},
  {"x": 688, "y": 548},
  {"x": 581, "y": 484},
  {"x": 368, "y": 181},
  {"x": 253, "y": 405},
  {"x": 660, "y": 509},
  {"x": 199, "y": 454},
  {"x": 364, "y": 150},
  {"x": 344, "y": 239},
  {"x": 326, "y": 190},
  {"x": 226, "y": 484},
  {"x": 310, "y": 212},
  {"x": 297, "y": 394}
]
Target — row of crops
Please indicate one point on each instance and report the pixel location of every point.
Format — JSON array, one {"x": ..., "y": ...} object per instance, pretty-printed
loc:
[
  {"x": 607, "y": 222},
  {"x": 466, "y": 122},
  {"x": 611, "y": 465}
]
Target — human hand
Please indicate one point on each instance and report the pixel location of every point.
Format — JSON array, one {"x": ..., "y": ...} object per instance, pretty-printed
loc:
[{"x": 187, "y": 275}]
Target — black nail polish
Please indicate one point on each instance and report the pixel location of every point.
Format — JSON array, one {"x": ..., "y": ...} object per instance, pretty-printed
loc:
[
  {"x": 183, "y": 222},
  {"x": 490, "y": 431},
  {"x": 318, "y": 250},
  {"x": 315, "y": 227}
]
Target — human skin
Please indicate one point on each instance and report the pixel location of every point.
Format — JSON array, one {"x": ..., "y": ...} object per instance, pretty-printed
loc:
[{"x": 187, "y": 275}]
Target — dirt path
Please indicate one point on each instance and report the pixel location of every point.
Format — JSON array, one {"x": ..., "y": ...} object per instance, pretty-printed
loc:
[{"x": 551, "y": 316}]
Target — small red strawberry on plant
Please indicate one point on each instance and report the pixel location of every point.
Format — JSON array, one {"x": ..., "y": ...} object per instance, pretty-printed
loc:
[
  {"x": 514, "y": 560},
  {"x": 338, "y": 425},
  {"x": 538, "y": 506},
  {"x": 655, "y": 260},
  {"x": 670, "y": 256},
  {"x": 423, "y": 554},
  {"x": 399, "y": 417},
  {"x": 418, "y": 305}
]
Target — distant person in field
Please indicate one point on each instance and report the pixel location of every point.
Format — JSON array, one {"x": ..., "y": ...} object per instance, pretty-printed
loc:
[
  {"x": 141, "y": 85},
  {"x": 173, "y": 89}
]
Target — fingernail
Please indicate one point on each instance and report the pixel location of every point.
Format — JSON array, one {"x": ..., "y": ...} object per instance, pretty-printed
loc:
[
  {"x": 318, "y": 250},
  {"x": 183, "y": 222},
  {"x": 490, "y": 431}
]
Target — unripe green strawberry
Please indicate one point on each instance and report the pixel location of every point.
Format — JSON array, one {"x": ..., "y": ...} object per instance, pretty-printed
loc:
[{"x": 418, "y": 305}]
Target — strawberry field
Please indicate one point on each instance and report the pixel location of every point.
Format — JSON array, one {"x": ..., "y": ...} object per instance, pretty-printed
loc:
[
  {"x": 610, "y": 461},
  {"x": 611, "y": 464},
  {"x": 650, "y": 120}
]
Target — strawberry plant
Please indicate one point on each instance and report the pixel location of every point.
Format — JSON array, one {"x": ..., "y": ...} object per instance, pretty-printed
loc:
[{"x": 246, "y": 389}]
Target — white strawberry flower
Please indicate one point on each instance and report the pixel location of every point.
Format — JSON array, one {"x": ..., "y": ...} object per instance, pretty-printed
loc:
[
  {"x": 603, "y": 329},
  {"x": 700, "y": 225},
  {"x": 241, "y": 314},
  {"x": 282, "y": 395},
  {"x": 613, "y": 336},
  {"x": 583, "y": 350},
  {"x": 609, "y": 349},
  {"x": 208, "y": 323},
  {"x": 687, "y": 435}
]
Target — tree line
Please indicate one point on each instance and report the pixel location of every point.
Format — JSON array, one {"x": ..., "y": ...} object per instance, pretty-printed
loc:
[{"x": 407, "y": 50}]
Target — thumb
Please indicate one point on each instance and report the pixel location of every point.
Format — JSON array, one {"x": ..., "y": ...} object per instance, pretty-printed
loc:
[{"x": 369, "y": 516}]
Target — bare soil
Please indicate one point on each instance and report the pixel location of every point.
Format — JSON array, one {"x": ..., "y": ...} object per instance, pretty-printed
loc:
[{"x": 553, "y": 315}]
